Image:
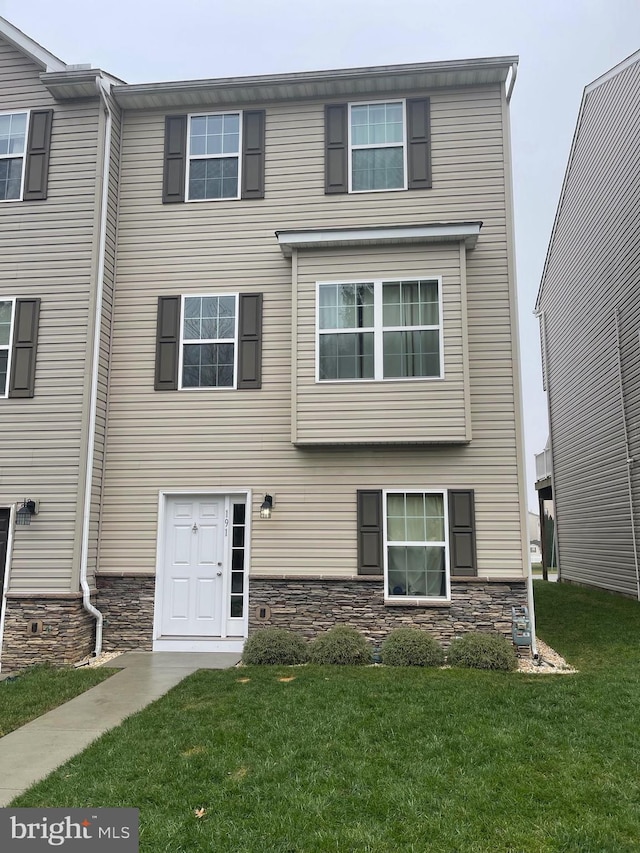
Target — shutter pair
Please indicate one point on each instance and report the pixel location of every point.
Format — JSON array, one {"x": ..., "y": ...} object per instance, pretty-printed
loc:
[
  {"x": 176, "y": 148},
  {"x": 23, "y": 349},
  {"x": 249, "y": 342},
  {"x": 37, "y": 158},
  {"x": 336, "y": 157},
  {"x": 462, "y": 537}
]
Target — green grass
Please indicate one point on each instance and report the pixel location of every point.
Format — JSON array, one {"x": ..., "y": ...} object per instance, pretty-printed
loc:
[
  {"x": 388, "y": 759},
  {"x": 39, "y": 689}
]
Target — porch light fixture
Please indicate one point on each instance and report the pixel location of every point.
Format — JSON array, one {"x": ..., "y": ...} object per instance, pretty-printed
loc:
[
  {"x": 23, "y": 516},
  {"x": 266, "y": 507}
]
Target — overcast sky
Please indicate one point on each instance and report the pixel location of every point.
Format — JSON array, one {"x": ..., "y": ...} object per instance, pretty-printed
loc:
[{"x": 562, "y": 44}]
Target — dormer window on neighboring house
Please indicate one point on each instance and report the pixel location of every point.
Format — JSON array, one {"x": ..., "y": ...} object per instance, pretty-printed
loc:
[{"x": 24, "y": 155}]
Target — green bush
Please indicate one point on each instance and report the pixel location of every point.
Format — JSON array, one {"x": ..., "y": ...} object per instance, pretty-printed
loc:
[
  {"x": 482, "y": 651},
  {"x": 341, "y": 645},
  {"x": 274, "y": 646},
  {"x": 411, "y": 647}
]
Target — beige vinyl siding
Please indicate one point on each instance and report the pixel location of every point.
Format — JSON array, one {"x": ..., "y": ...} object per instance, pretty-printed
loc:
[
  {"x": 593, "y": 270},
  {"x": 368, "y": 412},
  {"x": 233, "y": 440},
  {"x": 46, "y": 253}
]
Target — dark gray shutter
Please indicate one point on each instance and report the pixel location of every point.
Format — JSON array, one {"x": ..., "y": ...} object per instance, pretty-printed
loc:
[
  {"x": 419, "y": 143},
  {"x": 167, "y": 343},
  {"x": 25, "y": 342},
  {"x": 250, "y": 340},
  {"x": 37, "y": 160},
  {"x": 336, "y": 174},
  {"x": 253, "y": 153},
  {"x": 370, "y": 561},
  {"x": 175, "y": 158},
  {"x": 462, "y": 533}
]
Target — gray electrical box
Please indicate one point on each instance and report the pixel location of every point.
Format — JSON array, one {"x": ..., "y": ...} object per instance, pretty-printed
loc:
[{"x": 521, "y": 626}]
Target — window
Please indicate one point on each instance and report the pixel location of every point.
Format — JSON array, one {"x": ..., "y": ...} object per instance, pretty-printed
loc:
[
  {"x": 6, "y": 336},
  {"x": 214, "y": 156},
  {"x": 238, "y": 544},
  {"x": 377, "y": 147},
  {"x": 208, "y": 344},
  {"x": 416, "y": 548},
  {"x": 13, "y": 146},
  {"x": 379, "y": 330}
]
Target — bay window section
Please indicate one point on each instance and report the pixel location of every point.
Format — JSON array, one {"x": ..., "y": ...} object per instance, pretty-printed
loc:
[
  {"x": 379, "y": 330},
  {"x": 208, "y": 351},
  {"x": 416, "y": 550}
]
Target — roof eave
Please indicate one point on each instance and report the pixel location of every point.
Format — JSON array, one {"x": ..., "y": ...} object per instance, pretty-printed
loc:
[{"x": 47, "y": 61}]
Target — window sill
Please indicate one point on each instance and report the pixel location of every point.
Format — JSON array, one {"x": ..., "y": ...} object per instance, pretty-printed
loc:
[{"x": 418, "y": 602}]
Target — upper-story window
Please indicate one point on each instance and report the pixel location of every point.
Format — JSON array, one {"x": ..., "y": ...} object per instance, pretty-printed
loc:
[
  {"x": 379, "y": 330},
  {"x": 13, "y": 146},
  {"x": 214, "y": 156},
  {"x": 208, "y": 351},
  {"x": 6, "y": 323},
  {"x": 377, "y": 146}
]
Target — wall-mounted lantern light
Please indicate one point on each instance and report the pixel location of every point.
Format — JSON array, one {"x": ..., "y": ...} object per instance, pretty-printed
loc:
[
  {"x": 28, "y": 508},
  {"x": 266, "y": 507}
]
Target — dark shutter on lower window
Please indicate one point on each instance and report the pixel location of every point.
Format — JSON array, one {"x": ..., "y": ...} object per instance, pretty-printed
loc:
[
  {"x": 419, "y": 143},
  {"x": 167, "y": 343},
  {"x": 336, "y": 174},
  {"x": 250, "y": 341},
  {"x": 37, "y": 161},
  {"x": 370, "y": 532},
  {"x": 462, "y": 533},
  {"x": 175, "y": 158},
  {"x": 23, "y": 354},
  {"x": 253, "y": 153}
]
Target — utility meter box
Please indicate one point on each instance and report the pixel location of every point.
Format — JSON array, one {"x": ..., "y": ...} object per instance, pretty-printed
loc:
[{"x": 521, "y": 626}]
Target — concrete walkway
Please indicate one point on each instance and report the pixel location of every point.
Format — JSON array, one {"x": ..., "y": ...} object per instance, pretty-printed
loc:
[{"x": 35, "y": 750}]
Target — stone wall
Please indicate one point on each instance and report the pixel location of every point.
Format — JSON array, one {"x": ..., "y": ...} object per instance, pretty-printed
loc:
[
  {"x": 126, "y": 602},
  {"x": 313, "y": 606},
  {"x": 65, "y": 631}
]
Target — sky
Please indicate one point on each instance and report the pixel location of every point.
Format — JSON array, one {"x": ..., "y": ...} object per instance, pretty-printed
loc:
[{"x": 563, "y": 45}]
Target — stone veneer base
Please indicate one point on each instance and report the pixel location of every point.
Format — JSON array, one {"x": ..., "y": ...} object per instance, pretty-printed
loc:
[
  {"x": 126, "y": 603},
  {"x": 313, "y": 606},
  {"x": 67, "y": 636}
]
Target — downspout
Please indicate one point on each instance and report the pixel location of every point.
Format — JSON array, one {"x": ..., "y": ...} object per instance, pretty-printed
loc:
[
  {"x": 103, "y": 90},
  {"x": 627, "y": 452},
  {"x": 512, "y": 80}
]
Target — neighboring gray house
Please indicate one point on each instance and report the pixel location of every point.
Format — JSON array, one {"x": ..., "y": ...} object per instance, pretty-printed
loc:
[
  {"x": 589, "y": 309},
  {"x": 312, "y": 400}
]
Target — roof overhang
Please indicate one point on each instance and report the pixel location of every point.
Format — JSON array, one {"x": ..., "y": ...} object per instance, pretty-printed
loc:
[
  {"x": 47, "y": 61},
  {"x": 71, "y": 84},
  {"x": 351, "y": 82},
  {"x": 329, "y": 238}
]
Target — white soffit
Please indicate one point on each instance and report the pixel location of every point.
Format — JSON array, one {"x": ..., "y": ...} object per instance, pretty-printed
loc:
[
  {"x": 440, "y": 232},
  {"x": 47, "y": 61}
]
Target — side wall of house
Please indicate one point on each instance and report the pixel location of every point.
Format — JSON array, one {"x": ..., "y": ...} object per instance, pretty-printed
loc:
[{"x": 592, "y": 278}]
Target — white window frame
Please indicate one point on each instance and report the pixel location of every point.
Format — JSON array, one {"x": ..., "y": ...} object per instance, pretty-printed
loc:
[
  {"x": 9, "y": 347},
  {"x": 407, "y": 599},
  {"x": 183, "y": 300},
  {"x": 379, "y": 329},
  {"x": 352, "y": 147},
  {"x": 22, "y": 156},
  {"x": 191, "y": 157}
]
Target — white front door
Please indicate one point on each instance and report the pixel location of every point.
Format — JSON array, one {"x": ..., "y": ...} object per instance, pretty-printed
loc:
[{"x": 193, "y": 582}]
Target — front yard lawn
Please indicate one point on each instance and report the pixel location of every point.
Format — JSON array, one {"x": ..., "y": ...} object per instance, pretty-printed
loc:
[
  {"x": 379, "y": 760},
  {"x": 34, "y": 691}
]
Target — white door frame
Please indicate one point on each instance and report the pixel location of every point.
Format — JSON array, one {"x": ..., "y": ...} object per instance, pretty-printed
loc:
[
  {"x": 7, "y": 571},
  {"x": 194, "y": 644}
]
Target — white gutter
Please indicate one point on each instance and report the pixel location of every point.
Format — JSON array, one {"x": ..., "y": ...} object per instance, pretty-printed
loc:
[
  {"x": 512, "y": 81},
  {"x": 103, "y": 91},
  {"x": 627, "y": 453}
]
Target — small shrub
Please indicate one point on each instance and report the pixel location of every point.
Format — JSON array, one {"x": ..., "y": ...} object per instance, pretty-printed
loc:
[
  {"x": 274, "y": 646},
  {"x": 483, "y": 651},
  {"x": 411, "y": 647},
  {"x": 341, "y": 645}
]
